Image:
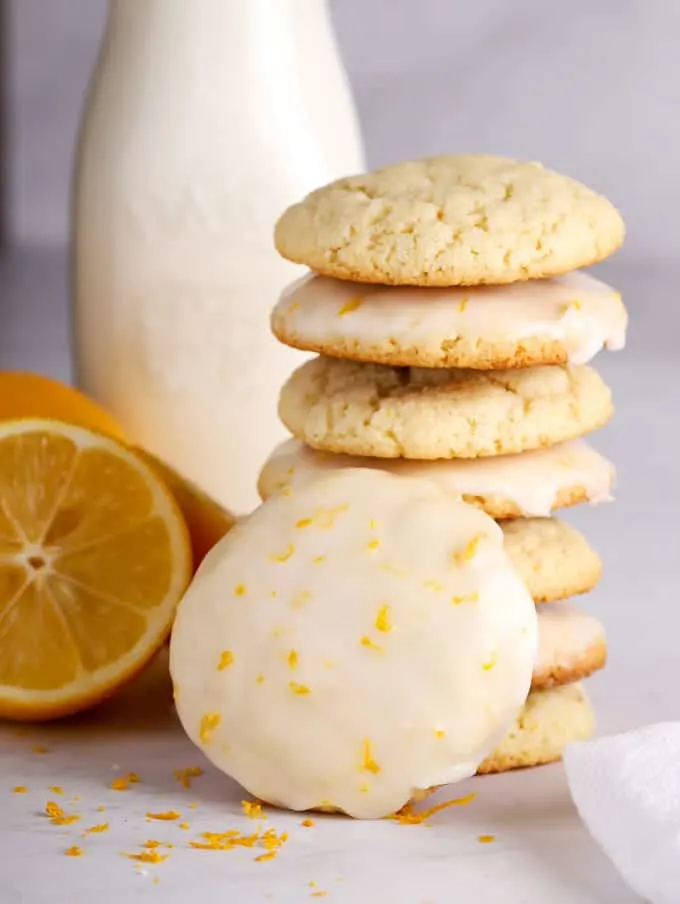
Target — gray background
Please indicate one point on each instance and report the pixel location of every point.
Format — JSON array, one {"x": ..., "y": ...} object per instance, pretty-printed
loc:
[{"x": 590, "y": 87}]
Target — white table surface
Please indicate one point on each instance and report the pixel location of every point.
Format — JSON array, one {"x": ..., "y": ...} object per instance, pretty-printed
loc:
[{"x": 541, "y": 852}]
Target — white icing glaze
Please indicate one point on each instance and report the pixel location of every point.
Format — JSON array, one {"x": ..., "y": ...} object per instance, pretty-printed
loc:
[
  {"x": 374, "y": 638},
  {"x": 581, "y": 312},
  {"x": 530, "y": 481},
  {"x": 565, "y": 634}
]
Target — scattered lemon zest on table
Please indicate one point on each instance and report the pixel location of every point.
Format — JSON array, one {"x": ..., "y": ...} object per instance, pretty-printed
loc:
[
  {"x": 168, "y": 816},
  {"x": 39, "y": 748},
  {"x": 486, "y": 839},
  {"x": 231, "y": 839},
  {"x": 148, "y": 857},
  {"x": 184, "y": 825},
  {"x": 74, "y": 851},
  {"x": 308, "y": 823},
  {"x": 98, "y": 829},
  {"x": 193, "y": 805},
  {"x": 56, "y": 789},
  {"x": 123, "y": 782},
  {"x": 58, "y": 817},
  {"x": 152, "y": 844},
  {"x": 253, "y": 809},
  {"x": 101, "y": 808},
  {"x": 184, "y": 776},
  {"x": 20, "y": 789},
  {"x": 407, "y": 815}
]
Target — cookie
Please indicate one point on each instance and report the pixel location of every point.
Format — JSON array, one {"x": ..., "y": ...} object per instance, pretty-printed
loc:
[
  {"x": 458, "y": 220},
  {"x": 504, "y": 486},
  {"x": 571, "y": 646},
  {"x": 425, "y": 413},
  {"x": 554, "y": 560},
  {"x": 567, "y": 319},
  {"x": 549, "y": 721},
  {"x": 381, "y": 618}
]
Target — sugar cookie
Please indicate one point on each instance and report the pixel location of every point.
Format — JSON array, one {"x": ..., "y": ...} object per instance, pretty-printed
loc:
[
  {"x": 392, "y": 412},
  {"x": 568, "y": 319},
  {"x": 504, "y": 486},
  {"x": 456, "y": 220},
  {"x": 554, "y": 560},
  {"x": 571, "y": 646},
  {"x": 550, "y": 720},
  {"x": 380, "y": 619}
]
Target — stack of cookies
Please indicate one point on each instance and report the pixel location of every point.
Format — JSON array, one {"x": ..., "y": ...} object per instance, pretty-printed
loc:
[{"x": 453, "y": 332}]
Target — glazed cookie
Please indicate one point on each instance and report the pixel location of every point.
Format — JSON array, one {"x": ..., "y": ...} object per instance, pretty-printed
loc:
[
  {"x": 572, "y": 645},
  {"x": 380, "y": 618},
  {"x": 549, "y": 721},
  {"x": 504, "y": 486},
  {"x": 553, "y": 321},
  {"x": 392, "y": 412},
  {"x": 459, "y": 220},
  {"x": 554, "y": 560}
]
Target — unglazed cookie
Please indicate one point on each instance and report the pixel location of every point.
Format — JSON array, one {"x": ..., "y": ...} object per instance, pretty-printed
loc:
[
  {"x": 459, "y": 220},
  {"x": 425, "y": 413},
  {"x": 352, "y": 640},
  {"x": 553, "y": 559},
  {"x": 571, "y": 646},
  {"x": 552, "y": 321},
  {"x": 549, "y": 721},
  {"x": 504, "y": 486}
]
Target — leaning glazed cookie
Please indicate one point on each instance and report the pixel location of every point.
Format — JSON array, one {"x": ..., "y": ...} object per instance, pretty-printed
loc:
[
  {"x": 424, "y": 413},
  {"x": 571, "y": 646},
  {"x": 459, "y": 220},
  {"x": 551, "y": 321},
  {"x": 549, "y": 721},
  {"x": 504, "y": 486},
  {"x": 380, "y": 618}
]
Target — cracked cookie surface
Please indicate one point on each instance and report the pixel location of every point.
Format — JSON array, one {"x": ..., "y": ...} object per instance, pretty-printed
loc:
[
  {"x": 425, "y": 414},
  {"x": 554, "y": 560},
  {"x": 453, "y": 220}
]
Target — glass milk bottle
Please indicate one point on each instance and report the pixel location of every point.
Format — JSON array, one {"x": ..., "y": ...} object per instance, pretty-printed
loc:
[{"x": 205, "y": 119}]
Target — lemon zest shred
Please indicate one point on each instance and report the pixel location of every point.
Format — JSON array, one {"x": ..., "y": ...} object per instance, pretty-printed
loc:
[
  {"x": 367, "y": 761},
  {"x": 167, "y": 816},
  {"x": 350, "y": 306},
  {"x": 74, "y": 851},
  {"x": 382, "y": 620},
  {"x": 185, "y": 775},
  {"x": 285, "y": 555},
  {"x": 300, "y": 689},
  {"x": 123, "y": 782},
  {"x": 407, "y": 815},
  {"x": 208, "y": 726},
  {"x": 226, "y": 660}
]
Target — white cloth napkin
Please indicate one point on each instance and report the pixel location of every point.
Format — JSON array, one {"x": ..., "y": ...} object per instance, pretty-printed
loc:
[{"x": 626, "y": 788}]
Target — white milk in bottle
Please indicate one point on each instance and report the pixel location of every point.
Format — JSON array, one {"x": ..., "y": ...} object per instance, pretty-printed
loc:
[{"x": 206, "y": 118}]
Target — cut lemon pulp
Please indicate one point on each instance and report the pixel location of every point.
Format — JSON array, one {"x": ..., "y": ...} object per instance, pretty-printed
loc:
[{"x": 94, "y": 557}]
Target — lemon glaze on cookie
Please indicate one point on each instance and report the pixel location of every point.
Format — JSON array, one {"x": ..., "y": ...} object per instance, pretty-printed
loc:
[
  {"x": 553, "y": 321},
  {"x": 504, "y": 486},
  {"x": 571, "y": 645},
  {"x": 389, "y": 651}
]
